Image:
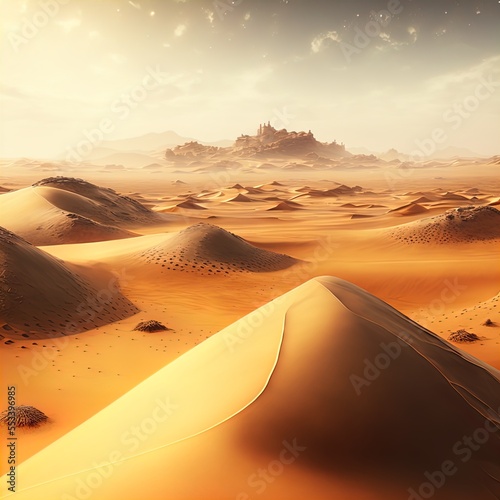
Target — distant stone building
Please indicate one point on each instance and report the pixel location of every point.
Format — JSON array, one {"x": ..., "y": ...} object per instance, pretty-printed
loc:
[
  {"x": 265, "y": 129},
  {"x": 268, "y": 140}
]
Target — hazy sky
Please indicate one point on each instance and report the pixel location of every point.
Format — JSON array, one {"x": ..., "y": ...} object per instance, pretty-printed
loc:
[{"x": 378, "y": 74}]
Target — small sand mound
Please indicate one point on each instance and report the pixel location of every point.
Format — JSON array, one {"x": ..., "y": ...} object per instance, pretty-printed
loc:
[
  {"x": 463, "y": 336},
  {"x": 190, "y": 205},
  {"x": 240, "y": 198},
  {"x": 460, "y": 225},
  {"x": 410, "y": 209},
  {"x": 341, "y": 190},
  {"x": 361, "y": 216},
  {"x": 454, "y": 196},
  {"x": 253, "y": 190},
  {"x": 40, "y": 294},
  {"x": 286, "y": 206},
  {"x": 345, "y": 190},
  {"x": 150, "y": 326},
  {"x": 425, "y": 199},
  {"x": 23, "y": 416},
  {"x": 209, "y": 250}
]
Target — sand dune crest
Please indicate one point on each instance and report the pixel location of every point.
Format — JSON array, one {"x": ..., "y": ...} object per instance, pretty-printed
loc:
[
  {"x": 459, "y": 225},
  {"x": 299, "y": 377},
  {"x": 207, "y": 249}
]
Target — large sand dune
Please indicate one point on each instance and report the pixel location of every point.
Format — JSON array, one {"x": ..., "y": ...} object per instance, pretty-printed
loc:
[
  {"x": 296, "y": 400},
  {"x": 67, "y": 210},
  {"x": 101, "y": 204},
  {"x": 460, "y": 225},
  {"x": 41, "y": 295},
  {"x": 207, "y": 249}
]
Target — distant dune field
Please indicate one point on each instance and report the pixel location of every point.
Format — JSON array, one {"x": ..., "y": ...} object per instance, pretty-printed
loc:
[{"x": 307, "y": 315}]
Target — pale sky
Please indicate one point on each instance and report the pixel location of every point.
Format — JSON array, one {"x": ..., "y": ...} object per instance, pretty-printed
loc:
[{"x": 377, "y": 74}]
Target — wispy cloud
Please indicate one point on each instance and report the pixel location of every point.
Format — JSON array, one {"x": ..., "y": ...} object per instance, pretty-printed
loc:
[
  {"x": 389, "y": 42},
  {"x": 463, "y": 78},
  {"x": 318, "y": 42},
  {"x": 210, "y": 15},
  {"x": 413, "y": 34}
]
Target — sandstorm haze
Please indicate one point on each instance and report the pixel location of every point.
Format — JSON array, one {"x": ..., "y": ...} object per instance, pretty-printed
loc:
[{"x": 377, "y": 75}]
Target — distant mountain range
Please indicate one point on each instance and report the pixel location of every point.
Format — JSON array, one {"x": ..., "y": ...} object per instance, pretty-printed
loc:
[
  {"x": 442, "y": 154},
  {"x": 147, "y": 148},
  {"x": 267, "y": 142},
  {"x": 153, "y": 142}
]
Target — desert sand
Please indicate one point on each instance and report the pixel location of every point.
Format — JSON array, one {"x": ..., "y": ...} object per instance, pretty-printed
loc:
[{"x": 308, "y": 298}]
